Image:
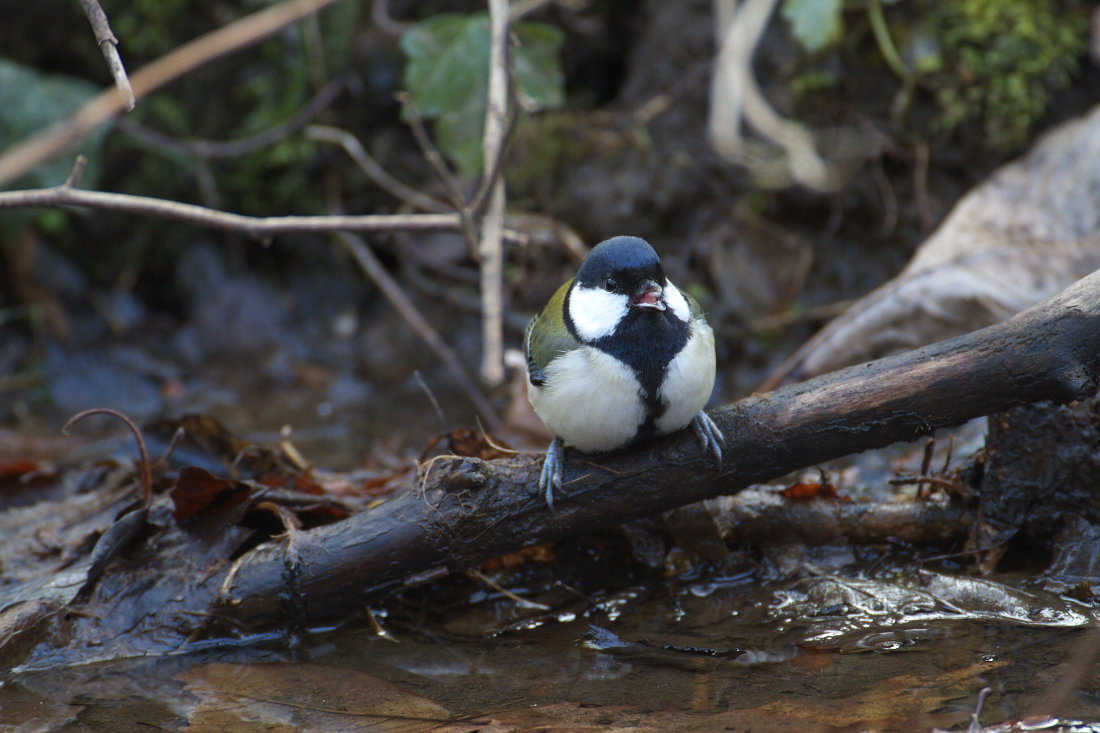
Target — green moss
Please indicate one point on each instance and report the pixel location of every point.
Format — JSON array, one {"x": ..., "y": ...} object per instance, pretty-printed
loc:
[{"x": 1004, "y": 60}]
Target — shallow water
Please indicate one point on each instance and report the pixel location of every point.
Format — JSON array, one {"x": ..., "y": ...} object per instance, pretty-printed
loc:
[{"x": 721, "y": 653}]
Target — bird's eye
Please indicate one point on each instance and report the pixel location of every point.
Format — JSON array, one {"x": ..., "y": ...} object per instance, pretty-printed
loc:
[{"x": 610, "y": 284}]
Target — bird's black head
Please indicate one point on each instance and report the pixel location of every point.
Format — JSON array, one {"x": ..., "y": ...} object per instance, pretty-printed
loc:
[
  {"x": 621, "y": 291},
  {"x": 621, "y": 265}
]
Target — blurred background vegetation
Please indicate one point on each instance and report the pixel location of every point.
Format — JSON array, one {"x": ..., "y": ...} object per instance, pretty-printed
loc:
[{"x": 611, "y": 140}]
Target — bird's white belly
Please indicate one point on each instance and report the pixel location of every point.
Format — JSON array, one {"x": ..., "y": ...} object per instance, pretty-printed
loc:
[
  {"x": 689, "y": 381},
  {"x": 591, "y": 400}
]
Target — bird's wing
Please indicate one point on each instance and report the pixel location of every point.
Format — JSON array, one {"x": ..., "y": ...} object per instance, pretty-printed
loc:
[
  {"x": 694, "y": 307},
  {"x": 552, "y": 337}
]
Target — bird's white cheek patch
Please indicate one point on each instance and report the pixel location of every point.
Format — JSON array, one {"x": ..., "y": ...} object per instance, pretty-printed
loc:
[
  {"x": 677, "y": 303},
  {"x": 595, "y": 312}
]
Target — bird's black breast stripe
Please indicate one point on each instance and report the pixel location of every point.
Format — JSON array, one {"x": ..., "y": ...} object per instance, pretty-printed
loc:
[{"x": 647, "y": 342}]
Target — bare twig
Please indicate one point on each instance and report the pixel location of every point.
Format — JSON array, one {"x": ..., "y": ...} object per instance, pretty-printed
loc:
[
  {"x": 380, "y": 14},
  {"x": 251, "y": 29},
  {"x": 921, "y": 156},
  {"x": 374, "y": 171},
  {"x": 76, "y": 173},
  {"x": 491, "y": 247},
  {"x": 518, "y": 600},
  {"x": 212, "y": 149},
  {"x": 926, "y": 465},
  {"x": 435, "y": 159},
  {"x": 259, "y": 227},
  {"x": 412, "y": 315},
  {"x": 146, "y": 467},
  {"x": 493, "y": 172},
  {"x": 431, "y": 398},
  {"x": 108, "y": 45}
]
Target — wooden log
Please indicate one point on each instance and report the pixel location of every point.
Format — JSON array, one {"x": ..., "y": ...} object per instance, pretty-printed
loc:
[{"x": 466, "y": 510}]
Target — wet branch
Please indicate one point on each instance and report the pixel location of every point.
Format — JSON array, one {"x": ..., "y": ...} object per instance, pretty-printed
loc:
[{"x": 467, "y": 510}]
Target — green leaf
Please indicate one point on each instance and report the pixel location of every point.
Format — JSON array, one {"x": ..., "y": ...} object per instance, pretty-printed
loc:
[
  {"x": 536, "y": 64},
  {"x": 815, "y": 23},
  {"x": 448, "y": 77},
  {"x": 30, "y": 102}
]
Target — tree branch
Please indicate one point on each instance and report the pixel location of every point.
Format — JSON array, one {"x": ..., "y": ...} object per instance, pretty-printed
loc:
[
  {"x": 260, "y": 227},
  {"x": 491, "y": 246},
  {"x": 212, "y": 149},
  {"x": 466, "y": 510},
  {"x": 373, "y": 170},
  {"x": 108, "y": 45}
]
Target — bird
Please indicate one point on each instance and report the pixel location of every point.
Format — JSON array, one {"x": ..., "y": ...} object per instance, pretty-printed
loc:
[{"x": 619, "y": 355}]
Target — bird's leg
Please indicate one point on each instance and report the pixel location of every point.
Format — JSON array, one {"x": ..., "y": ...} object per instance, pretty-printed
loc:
[
  {"x": 709, "y": 435},
  {"x": 551, "y": 475}
]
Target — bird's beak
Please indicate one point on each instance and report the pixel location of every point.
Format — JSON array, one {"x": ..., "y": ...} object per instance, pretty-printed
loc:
[{"x": 649, "y": 295}]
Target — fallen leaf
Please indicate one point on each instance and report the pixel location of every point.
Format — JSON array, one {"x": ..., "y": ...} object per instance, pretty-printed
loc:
[
  {"x": 197, "y": 491},
  {"x": 15, "y": 469},
  {"x": 804, "y": 491}
]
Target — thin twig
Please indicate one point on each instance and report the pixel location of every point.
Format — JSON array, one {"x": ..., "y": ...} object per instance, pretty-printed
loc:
[
  {"x": 435, "y": 159},
  {"x": 921, "y": 158},
  {"x": 885, "y": 43},
  {"x": 491, "y": 246},
  {"x": 431, "y": 398},
  {"x": 519, "y": 600},
  {"x": 260, "y": 227},
  {"x": 373, "y": 170},
  {"x": 239, "y": 34},
  {"x": 73, "y": 181},
  {"x": 380, "y": 14},
  {"x": 146, "y": 468},
  {"x": 412, "y": 315},
  {"x": 926, "y": 466},
  {"x": 495, "y": 171},
  {"x": 108, "y": 45},
  {"x": 376, "y": 626},
  {"x": 213, "y": 149}
]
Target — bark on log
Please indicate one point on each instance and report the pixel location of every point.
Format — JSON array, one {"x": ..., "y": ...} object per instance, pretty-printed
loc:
[{"x": 467, "y": 510}]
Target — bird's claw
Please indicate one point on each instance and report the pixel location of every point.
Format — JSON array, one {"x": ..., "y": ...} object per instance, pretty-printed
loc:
[
  {"x": 552, "y": 470},
  {"x": 709, "y": 435}
]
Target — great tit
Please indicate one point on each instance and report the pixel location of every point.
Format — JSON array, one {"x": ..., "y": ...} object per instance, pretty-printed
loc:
[{"x": 619, "y": 354}]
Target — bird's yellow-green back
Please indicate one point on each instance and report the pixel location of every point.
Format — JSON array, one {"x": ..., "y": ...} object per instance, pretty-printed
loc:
[{"x": 547, "y": 334}]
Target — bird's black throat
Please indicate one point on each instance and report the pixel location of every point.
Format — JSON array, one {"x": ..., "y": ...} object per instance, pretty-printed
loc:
[{"x": 647, "y": 341}]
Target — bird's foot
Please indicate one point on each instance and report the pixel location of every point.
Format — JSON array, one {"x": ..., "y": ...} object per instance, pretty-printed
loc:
[
  {"x": 552, "y": 469},
  {"x": 709, "y": 435}
]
